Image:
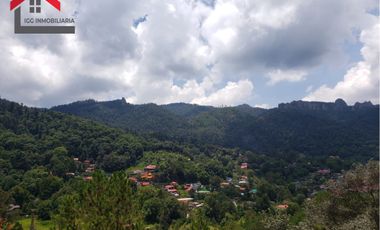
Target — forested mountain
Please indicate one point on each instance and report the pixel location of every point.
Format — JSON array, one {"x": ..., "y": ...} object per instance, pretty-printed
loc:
[
  {"x": 30, "y": 137},
  {"x": 148, "y": 118},
  {"x": 36, "y": 131},
  {"x": 305, "y": 127},
  {"x": 75, "y": 173}
]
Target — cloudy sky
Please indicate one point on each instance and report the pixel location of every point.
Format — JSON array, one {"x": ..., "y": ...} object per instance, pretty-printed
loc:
[{"x": 212, "y": 52}]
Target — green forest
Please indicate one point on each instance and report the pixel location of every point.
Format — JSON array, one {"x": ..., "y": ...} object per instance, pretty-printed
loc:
[{"x": 113, "y": 165}]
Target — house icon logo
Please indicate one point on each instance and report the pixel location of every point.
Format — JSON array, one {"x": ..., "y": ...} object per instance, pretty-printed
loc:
[{"x": 50, "y": 25}]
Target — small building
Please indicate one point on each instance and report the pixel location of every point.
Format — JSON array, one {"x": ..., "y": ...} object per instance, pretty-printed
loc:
[
  {"x": 324, "y": 171},
  {"x": 203, "y": 191},
  {"x": 144, "y": 184},
  {"x": 244, "y": 165},
  {"x": 282, "y": 206},
  {"x": 90, "y": 170},
  {"x": 243, "y": 182},
  {"x": 185, "y": 200},
  {"x": 254, "y": 191},
  {"x": 147, "y": 176},
  {"x": 169, "y": 186},
  {"x": 136, "y": 172},
  {"x": 196, "y": 186},
  {"x": 174, "y": 183},
  {"x": 133, "y": 179},
  {"x": 243, "y": 177},
  {"x": 224, "y": 184},
  {"x": 188, "y": 187},
  {"x": 70, "y": 174},
  {"x": 150, "y": 168},
  {"x": 87, "y": 178},
  {"x": 172, "y": 190}
]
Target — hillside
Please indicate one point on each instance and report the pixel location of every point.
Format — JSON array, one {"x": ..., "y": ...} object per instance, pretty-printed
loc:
[
  {"x": 306, "y": 127},
  {"x": 71, "y": 172},
  {"x": 29, "y": 137}
]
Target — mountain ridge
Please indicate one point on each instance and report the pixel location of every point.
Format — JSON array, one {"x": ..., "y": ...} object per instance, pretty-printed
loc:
[{"x": 306, "y": 127}]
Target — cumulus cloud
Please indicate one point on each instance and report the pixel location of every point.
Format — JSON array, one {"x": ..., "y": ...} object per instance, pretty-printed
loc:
[
  {"x": 232, "y": 94},
  {"x": 206, "y": 52},
  {"x": 361, "y": 82},
  {"x": 288, "y": 75}
]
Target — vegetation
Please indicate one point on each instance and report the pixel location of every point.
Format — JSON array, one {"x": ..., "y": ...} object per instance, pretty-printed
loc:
[
  {"x": 310, "y": 128},
  {"x": 73, "y": 173}
]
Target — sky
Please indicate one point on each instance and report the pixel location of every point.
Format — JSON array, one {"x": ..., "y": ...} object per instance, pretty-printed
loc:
[{"x": 209, "y": 52}]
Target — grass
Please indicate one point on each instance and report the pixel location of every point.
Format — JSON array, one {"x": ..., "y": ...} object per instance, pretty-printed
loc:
[
  {"x": 40, "y": 225},
  {"x": 137, "y": 167},
  {"x": 182, "y": 193}
]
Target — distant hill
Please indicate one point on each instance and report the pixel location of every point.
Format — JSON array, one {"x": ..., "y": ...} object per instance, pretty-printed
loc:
[
  {"x": 34, "y": 132},
  {"x": 316, "y": 128}
]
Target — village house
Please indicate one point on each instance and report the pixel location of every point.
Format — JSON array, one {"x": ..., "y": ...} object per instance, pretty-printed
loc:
[
  {"x": 174, "y": 192},
  {"x": 224, "y": 184},
  {"x": 136, "y": 172},
  {"x": 144, "y": 184},
  {"x": 174, "y": 183},
  {"x": 203, "y": 191},
  {"x": 147, "y": 176},
  {"x": 150, "y": 168},
  {"x": 324, "y": 171},
  {"x": 87, "y": 178},
  {"x": 282, "y": 206},
  {"x": 90, "y": 168},
  {"x": 133, "y": 179},
  {"x": 196, "y": 186},
  {"x": 188, "y": 187},
  {"x": 185, "y": 201},
  {"x": 254, "y": 191},
  {"x": 169, "y": 186},
  {"x": 171, "y": 189}
]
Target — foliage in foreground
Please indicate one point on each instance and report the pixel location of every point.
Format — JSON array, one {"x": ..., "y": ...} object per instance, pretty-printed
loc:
[{"x": 350, "y": 202}]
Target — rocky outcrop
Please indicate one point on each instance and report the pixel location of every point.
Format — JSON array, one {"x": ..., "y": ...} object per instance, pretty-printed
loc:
[{"x": 338, "y": 105}]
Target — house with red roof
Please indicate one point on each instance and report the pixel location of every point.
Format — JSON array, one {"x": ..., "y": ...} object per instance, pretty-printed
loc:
[
  {"x": 144, "y": 184},
  {"x": 169, "y": 186},
  {"x": 282, "y": 206},
  {"x": 133, "y": 179},
  {"x": 150, "y": 168},
  {"x": 87, "y": 178}
]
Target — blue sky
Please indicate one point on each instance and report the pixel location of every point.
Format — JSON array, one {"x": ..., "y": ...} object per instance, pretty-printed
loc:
[
  {"x": 210, "y": 52},
  {"x": 289, "y": 91}
]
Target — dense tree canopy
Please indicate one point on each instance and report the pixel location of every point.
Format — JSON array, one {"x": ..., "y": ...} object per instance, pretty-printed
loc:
[{"x": 76, "y": 173}]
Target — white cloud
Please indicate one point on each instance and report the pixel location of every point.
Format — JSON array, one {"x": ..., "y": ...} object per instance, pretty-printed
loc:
[
  {"x": 361, "y": 82},
  {"x": 285, "y": 75},
  {"x": 233, "y": 93},
  {"x": 185, "y": 51},
  {"x": 263, "y": 106}
]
